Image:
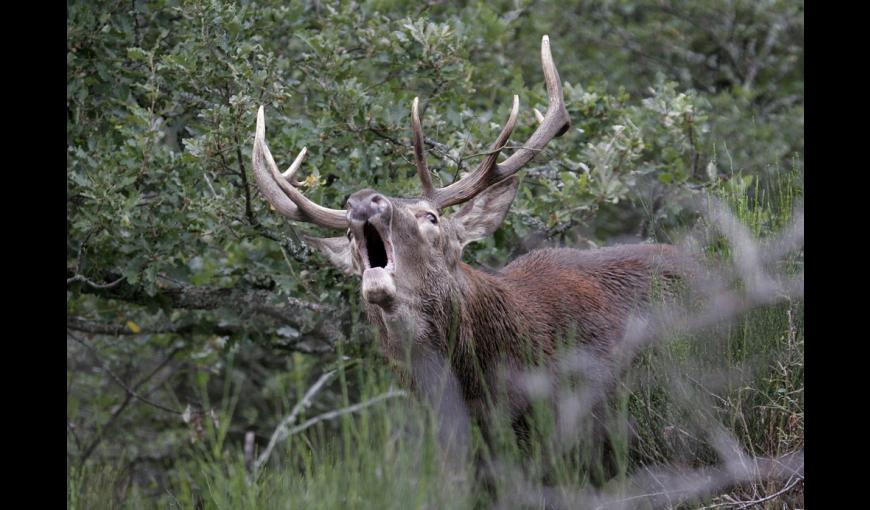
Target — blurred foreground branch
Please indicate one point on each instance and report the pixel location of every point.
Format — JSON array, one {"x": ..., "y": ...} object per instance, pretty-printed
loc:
[{"x": 754, "y": 273}]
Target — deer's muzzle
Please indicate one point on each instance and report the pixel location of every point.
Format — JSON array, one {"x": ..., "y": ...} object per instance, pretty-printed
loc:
[
  {"x": 369, "y": 214},
  {"x": 367, "y": 204}
]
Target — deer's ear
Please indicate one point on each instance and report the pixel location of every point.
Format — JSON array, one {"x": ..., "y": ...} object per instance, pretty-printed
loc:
[
  {"x": 336, "y": 249},
  {"x": 482, "y": 216}
]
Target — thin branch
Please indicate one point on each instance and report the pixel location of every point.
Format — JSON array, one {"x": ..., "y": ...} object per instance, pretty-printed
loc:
[
  {"x": 251, "y": 218},
  {"x": 81, "y": 251},
  {"x": 281, "y": 431},
  {"x": 741, "y": 505},
  {"x": 775, "y": 495},
  {"x": 393, "y": 393},
  {"x": 249, "y": 213},
  {"x": 506, "y": 146},
  {"x": 778, "y": 25},
  {"x": 442, "y": 150},
  {"x": 249, "y": 452},
  {"x": 439, "y": 148},
  {"x": 331, "y": 415},
  {"x": 121, "y": 383},
  {"x": 81, "y": 278},
  {"x": 460, "y": 166},
  {"x": 130, "y": 395},
  {"x": 71, "y": 428}
]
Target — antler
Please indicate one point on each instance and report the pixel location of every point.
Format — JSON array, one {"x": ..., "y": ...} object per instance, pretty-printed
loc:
[
  {"x": 280, "y": 189},
  {"x": 420, "y": 153},
  {"x": 554, "y": 123}
]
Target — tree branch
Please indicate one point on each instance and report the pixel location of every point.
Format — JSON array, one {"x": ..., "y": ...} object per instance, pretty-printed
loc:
[
  {"x": 245, "y": 301},
  {"x": 102, "y": 328},
  {"x": 248, "y": 211},
  {"x": 121, "y": 383},
  {"x": 130, "y": 394},
  {"x": 439, "y": 148},
  {"x": 190, "y": 297}
]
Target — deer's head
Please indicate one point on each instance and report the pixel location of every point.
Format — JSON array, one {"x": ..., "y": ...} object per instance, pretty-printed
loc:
[{"x": 404, "y": 249}]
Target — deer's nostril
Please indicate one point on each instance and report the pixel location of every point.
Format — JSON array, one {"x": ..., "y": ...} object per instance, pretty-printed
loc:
[{"x": 365, "y": 205}]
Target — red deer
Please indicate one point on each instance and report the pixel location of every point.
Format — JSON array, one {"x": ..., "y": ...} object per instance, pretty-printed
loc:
[{"x": 430, "y": 307}]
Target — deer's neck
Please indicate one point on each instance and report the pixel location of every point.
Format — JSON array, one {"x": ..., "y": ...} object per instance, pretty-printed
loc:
[
  {"x": 470, "y": 323},
  {"x": 491, "y": 326}
]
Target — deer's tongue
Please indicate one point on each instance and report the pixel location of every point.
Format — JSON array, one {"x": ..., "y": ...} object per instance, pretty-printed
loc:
[{"x": 378, "y": 286}]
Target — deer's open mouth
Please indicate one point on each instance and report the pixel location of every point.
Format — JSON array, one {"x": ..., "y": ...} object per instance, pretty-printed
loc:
[{"x": 377, "y": 250}]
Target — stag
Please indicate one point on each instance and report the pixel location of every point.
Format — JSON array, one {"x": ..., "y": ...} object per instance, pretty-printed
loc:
[{"x": 432, "y": 310}]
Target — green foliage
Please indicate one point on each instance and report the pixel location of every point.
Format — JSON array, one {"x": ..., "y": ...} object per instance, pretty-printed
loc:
[{"x": 186, "y": 290}]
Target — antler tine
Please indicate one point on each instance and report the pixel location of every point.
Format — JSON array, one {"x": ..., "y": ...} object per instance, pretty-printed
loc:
[
  {"x": 290, "y": 173},
  {"x": 482, "y": 176},
  {"x": 553, "y": 124},
  {"x": 419, "y": 152},
  {"x": 286, "y": 199}
]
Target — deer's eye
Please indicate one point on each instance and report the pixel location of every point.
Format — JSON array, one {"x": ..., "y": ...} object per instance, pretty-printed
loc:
[{"x": 432, "y": 218}]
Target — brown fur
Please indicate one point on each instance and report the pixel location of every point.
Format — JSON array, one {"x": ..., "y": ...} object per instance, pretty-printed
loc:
[{"x": 514, "y": 318}]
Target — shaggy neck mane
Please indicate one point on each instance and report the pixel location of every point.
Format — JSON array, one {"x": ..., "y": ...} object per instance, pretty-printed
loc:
[{"x": 488, "y": 328}]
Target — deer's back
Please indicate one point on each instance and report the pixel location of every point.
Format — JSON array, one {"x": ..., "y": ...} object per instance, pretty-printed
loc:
[{"x": 587, "y": 294}]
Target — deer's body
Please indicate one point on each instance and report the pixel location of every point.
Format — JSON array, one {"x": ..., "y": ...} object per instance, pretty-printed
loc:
[
  {"x": 438, "y": 315},
  {"x": 502, "y": 323}
]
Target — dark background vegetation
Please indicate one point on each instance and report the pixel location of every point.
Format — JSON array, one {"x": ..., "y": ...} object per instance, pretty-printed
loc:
[{"x": 196, "y": 314}]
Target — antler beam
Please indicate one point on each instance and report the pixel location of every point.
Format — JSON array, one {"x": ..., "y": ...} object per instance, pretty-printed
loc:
[
  {"x": 280, "y": 189},
  {"x": 551, "y": 125}
]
